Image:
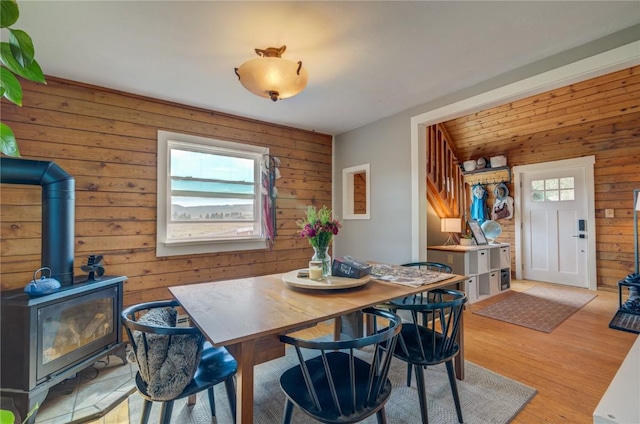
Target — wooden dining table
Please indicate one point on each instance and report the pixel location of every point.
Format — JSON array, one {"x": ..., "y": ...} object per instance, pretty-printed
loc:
[{"x": 248, "y": 315}]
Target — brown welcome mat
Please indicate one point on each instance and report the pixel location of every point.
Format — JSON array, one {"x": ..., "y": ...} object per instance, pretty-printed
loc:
[{"x": 539, "y": 308}]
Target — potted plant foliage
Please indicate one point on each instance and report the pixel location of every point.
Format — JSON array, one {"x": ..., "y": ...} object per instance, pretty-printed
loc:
[
  {"x": 16, "y": 60},
  {"x": 466, "y": 239}
]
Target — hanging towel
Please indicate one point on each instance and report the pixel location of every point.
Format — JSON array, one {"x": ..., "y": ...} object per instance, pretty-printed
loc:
[{"x": 479, "y": 203}]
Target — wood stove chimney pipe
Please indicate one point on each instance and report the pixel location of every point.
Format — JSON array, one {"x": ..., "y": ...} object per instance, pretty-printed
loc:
[{"x": 58, "y": 210}]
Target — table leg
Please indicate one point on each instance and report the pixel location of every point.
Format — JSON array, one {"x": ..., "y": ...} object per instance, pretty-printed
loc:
[{"x": 245, "y": 355}]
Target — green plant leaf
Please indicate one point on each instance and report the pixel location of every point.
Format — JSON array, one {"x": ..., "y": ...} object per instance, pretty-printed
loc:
[
  {"x": 21, "y": 47},
  {"x": 32, "y": 72},
  {"x": 7, "y": 417},
  {"x": 9, "y": 13},
  {"x": 8, "y": 144},
  {"x": 11, "y": 86}
]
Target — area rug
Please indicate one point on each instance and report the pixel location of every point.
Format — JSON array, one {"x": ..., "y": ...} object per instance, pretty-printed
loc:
[
  {"x": 538, "y": 308},
  {"x": 486, "y": 397}
]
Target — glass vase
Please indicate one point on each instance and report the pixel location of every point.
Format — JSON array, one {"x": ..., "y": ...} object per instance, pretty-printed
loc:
[{"x": 321, "y": 253}]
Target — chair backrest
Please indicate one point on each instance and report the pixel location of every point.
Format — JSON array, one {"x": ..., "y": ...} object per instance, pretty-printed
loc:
[
  {"x": 167, "y": 356},
  {"x": 349, "y": 376},
  {"x": 431, "y": 266},
  {"x": 431, "y": 336}
]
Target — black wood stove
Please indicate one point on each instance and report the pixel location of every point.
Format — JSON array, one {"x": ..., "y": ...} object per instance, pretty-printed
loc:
[{"x": 47, "y": 339}]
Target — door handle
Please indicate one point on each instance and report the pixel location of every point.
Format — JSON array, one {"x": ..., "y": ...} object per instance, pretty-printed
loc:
[{"x": 582, "y": 236}]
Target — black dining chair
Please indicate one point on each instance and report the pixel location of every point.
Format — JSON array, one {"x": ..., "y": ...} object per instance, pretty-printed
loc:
[
  {"x": 174, "y": 362},
  {"x": 431, "y": 337},
  {"x": 431, "y": 266},
  {"x": 343, "y": 381}
]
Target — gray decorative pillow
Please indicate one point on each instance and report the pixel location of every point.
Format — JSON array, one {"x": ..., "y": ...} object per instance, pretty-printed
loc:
[{"x": 169, "y": 362}]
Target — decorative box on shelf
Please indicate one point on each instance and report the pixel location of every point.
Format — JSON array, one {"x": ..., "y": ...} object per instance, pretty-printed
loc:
[{"x": 350, "y": 267}]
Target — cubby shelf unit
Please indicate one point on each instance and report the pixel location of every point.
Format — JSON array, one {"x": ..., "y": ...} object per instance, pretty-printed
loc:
[{"x": 487, "y": 268}]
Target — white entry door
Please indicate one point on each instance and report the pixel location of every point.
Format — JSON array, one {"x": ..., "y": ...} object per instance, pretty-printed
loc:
[{"x": 554, "y": 226}]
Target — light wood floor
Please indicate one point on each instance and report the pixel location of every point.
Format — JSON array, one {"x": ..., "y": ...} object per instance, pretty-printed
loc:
[{"x": 571, "y": 367}]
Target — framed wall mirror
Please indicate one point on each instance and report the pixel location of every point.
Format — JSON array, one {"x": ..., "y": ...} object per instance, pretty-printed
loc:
[{"x": 356, "y": 192}]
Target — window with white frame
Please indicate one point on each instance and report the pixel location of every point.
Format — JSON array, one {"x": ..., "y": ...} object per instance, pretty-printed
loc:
[
  {"x": 553, "y": 190},
  {"x": 209, "y": 195}
]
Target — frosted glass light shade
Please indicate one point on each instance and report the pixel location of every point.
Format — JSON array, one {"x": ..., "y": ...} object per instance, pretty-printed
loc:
[
  {"x": 450, "y": 225},
  {"x": 273, "y": 77}
]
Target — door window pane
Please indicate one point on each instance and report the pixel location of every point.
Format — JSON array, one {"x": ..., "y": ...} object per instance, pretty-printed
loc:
[
  {"x": 552, "y": 195},
  {"x": 537, "y": 196},
  {"x": 537, "y": 185},
  {"x": 553, "y": 190},
  {"x": 567, "y": 194},
  {"x": 566, "y": 182}
]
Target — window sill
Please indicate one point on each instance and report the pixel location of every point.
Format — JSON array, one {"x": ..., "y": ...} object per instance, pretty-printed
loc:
[{"x": 164, "y": 249}]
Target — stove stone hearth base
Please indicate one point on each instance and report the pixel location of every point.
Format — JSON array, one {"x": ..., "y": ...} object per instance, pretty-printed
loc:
[{"x": 92, "y": 394}]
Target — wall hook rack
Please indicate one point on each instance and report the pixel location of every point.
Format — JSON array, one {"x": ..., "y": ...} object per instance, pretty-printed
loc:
[{"x": 489, "y": 176}]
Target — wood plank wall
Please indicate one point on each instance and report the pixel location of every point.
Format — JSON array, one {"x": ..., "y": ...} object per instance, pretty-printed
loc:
[
  {"x": 360, "y": 193},
  {"x": 599, "y": 117},
  {"x": 107, "y": 141}
]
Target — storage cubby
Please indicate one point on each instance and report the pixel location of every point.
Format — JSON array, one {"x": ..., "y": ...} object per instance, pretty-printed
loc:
[
  {"x": 488, "y": 268},
  {"x": 484, "y": 259},
  {"x": 495, "y": 259},
  {"x": 505, "y": 258},
  {"x": 494, "y": 282},
  {"x": 505, "y": 279},
  {"x": 484, "y": 286},
  {"x": 471, "y": 287}
]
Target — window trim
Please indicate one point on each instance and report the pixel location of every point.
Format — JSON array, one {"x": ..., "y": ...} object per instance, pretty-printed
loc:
[
  {"x": 348, "y": 197},
  {"x": 174, "y": 248}
]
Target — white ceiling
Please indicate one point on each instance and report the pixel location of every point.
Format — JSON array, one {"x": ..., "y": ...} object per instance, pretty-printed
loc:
[{"x": 366, "y": 60}]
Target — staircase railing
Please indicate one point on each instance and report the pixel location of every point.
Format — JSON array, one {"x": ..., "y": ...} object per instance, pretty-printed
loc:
[{"x": 445, "y": 182}]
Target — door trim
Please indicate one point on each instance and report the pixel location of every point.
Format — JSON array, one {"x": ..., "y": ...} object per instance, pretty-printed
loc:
[{"x": 587, "y": 163}]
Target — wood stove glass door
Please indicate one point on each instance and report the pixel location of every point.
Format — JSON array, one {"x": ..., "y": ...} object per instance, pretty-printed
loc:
[{"x": 75, "y": 328}]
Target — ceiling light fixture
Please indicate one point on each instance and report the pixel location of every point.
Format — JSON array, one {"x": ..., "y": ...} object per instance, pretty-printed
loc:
[{"x": 271, "y": 76}]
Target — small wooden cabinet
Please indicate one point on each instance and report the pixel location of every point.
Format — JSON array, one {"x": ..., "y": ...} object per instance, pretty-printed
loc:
[{"x": 487, "y": 268}]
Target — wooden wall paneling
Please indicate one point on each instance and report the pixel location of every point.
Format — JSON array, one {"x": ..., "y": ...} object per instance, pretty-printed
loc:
[
  {"x": 97, "y": 95},
  {"x": 552, "y": 99},
  {"x": 599, "y": 117},
  {"x": 107, "y": 141}
]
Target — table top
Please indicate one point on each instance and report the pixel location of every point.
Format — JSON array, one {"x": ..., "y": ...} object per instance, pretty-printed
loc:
[
  {"x": 233, "y": 311},
  {"x": 460, "y": 248}
]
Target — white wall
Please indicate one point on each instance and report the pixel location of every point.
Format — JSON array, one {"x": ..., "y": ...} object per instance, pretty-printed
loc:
[{"x": 385, "y": 237}]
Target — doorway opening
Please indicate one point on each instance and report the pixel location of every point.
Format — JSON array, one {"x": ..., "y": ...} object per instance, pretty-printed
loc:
[{"x": 555, "y": 237}]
